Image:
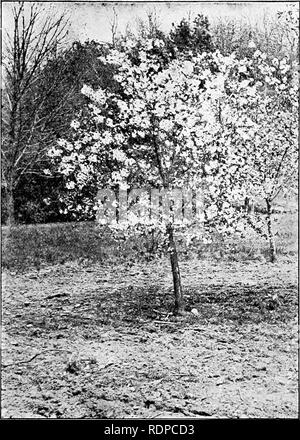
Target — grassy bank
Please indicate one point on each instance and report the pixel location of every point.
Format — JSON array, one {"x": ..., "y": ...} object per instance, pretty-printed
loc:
[{"x": 33, "y": 246}]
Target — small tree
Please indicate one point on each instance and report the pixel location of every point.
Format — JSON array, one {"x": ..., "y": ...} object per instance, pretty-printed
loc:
[
  {"x": 154, "y": 133},
  {"x": 168, "y": 127},
  {"x": 262, "y": 125}
]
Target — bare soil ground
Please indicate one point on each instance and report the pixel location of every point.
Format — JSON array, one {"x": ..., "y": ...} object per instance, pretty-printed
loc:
[{"x": 99, "y": 341}]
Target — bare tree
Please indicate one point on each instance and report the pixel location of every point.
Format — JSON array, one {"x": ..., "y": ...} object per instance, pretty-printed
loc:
[
  {"x": 149, "y": 27},
  {"x": 114, "y": 26},
  {"x": 276, "y": 35},
  {"x": 35, "y": 40}
]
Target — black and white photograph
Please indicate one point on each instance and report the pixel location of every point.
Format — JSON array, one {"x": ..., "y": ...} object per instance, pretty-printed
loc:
[{"x": 149, "y": 212}]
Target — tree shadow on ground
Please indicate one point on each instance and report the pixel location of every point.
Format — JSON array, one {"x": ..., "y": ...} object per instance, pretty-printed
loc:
[
  {"x": 134, "y": 306},
  {"x": 214, "y": 304}
]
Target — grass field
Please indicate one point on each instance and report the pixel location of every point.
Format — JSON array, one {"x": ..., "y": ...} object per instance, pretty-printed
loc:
[{"x": 39, "y": 245}]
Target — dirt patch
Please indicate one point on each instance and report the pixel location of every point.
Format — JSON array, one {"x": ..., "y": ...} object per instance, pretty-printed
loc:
[{"x": 99, "y": 341}]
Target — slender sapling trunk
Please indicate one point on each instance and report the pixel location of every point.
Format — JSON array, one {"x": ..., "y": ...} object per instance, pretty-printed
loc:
[
  {"x": 179, "y": 303},
  {"x": 272, "y": 246}
]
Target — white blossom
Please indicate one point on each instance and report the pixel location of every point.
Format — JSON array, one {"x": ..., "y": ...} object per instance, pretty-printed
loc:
[
  {"x": 119, "y": 155},
  {"x": 75, "y": 124},
  {"x": 70, "y": 185},
  {"x": 107, "y": 138}
]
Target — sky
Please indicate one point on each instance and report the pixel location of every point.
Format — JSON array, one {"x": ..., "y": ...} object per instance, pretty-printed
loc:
[{"x": 91, "y": 20}]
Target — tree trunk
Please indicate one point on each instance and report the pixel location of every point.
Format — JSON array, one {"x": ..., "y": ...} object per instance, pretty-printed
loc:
[
  {"x": 10, "y": 203},
  {"x": 272, "y": 247},
  {"x": 179, "y": 303}
]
